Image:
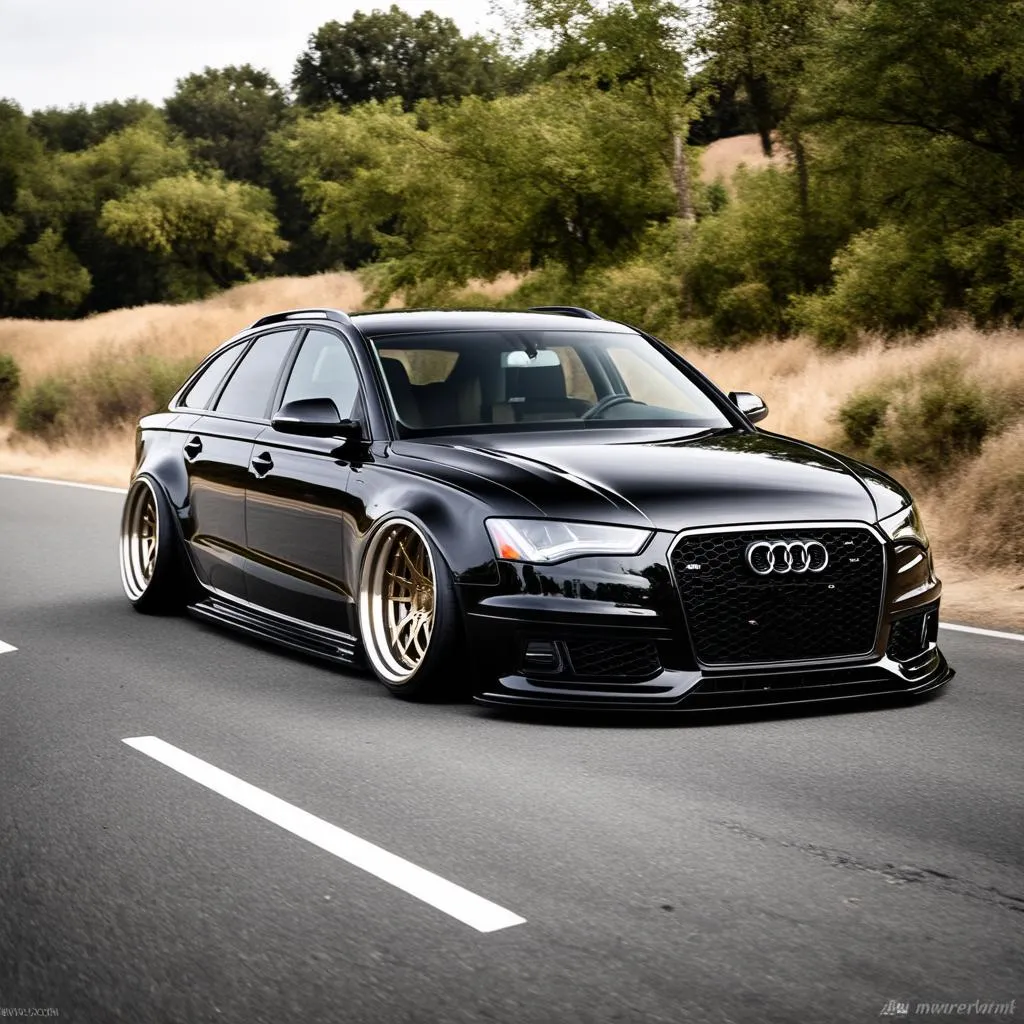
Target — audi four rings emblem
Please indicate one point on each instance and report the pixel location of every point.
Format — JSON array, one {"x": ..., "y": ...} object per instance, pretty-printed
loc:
[{"x": 781, "y": 556}]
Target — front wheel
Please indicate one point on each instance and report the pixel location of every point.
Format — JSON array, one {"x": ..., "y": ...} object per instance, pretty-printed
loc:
[
  {"x": 408, "y": 613},
  {"x": 150, "y": 571}
]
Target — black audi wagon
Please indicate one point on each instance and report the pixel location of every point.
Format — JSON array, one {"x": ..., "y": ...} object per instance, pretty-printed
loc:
[{"x": 534, "y": 508}]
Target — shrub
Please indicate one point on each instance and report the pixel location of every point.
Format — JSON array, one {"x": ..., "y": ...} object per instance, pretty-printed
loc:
[
  {"x": 42, "y": 409},
  {"x": 746, "y": 312},
  {"x": 885, "y": 281},
  {"x": 107, "y": 392},
  {"x": 862, "y": 416},
  {"x": 10, "y": 381},
  {"x": 982, "y": 516},
  {"x": 929, "y": 421}
]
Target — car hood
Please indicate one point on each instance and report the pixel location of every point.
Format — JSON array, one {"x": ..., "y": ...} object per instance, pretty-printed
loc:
[{"x": 673, "y": 483}]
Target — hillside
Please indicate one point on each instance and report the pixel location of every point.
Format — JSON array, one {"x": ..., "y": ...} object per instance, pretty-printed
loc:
[{"x": 973, "y": 517}]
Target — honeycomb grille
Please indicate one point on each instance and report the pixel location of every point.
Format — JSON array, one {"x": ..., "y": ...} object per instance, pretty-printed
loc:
[
  {"x": 905, "y": 638},
  {"x": 736, "y": 617},
  {"x": 608, "y": 658}
]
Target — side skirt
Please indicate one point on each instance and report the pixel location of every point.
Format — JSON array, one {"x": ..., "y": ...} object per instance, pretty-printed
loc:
[{"x": 339, "y": 648}]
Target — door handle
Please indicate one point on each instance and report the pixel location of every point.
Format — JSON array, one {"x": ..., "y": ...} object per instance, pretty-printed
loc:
[
  {"x": 262, "y": 464},
  {"x": 193, "y": 447}
]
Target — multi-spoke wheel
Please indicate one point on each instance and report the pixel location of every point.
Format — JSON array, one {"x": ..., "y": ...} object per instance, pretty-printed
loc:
[
  {"x": 407, "y": 610},
  {"x": 147, "y": 550}
]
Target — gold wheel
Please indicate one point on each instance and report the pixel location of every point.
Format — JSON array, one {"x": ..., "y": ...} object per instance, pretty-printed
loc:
[
  {"x": 397, "y": 601},
  {"x": 140, "y": 537}
]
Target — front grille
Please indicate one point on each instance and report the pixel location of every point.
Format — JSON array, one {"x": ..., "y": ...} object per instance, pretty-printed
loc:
[
  {"x": 610, "y": 658},
  {"x": 736, "y": 617}
]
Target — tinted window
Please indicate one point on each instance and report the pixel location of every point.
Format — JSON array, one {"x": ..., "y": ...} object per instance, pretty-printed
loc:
[
  {"x": 248, "y": 391},
  {"x": 324, "y": 369},
  {"x": 206, "y": 384}
]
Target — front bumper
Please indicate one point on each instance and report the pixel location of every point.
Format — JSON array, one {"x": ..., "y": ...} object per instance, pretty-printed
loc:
[{"x": 604, "y": 633}]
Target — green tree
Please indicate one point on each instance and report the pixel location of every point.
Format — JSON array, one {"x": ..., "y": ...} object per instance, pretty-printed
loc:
[
  {"x": 210, "y": 231},
  {"x": 21, "y": 159},
  {"x": 391, "y": 54},
  {"x": 65, "y": 197},
  {"x": 71, "y": 129},
  {"x": 762, "y": 46},
  {"x": 227, "y": 114}
]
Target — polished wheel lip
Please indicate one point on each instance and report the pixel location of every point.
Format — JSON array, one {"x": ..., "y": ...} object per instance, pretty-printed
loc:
[
  {"x": 397, "y": 600},
  {"x": 140, "y": 539}
]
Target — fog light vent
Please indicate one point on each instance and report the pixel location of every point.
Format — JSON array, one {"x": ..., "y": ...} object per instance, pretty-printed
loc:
[{"x": 541, "y": 656}]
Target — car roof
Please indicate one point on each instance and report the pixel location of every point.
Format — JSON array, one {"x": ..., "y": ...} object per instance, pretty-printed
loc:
[{"x": 415, "y": 321}]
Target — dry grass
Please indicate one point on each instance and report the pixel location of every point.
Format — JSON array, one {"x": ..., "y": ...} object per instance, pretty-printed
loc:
[
  {"x": 724, "y": 156},
  {"x": 191, "y": 330},
  {"x": 977, "y": 517},
  {"x": 805, "y": 386}
]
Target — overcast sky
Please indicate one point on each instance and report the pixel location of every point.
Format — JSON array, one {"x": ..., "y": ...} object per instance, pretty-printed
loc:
[{"x": 63, "y": 52}]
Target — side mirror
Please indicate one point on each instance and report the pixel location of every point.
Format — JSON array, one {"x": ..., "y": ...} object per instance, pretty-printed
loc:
[
  {"x": 314, "y": 417},
  {"x": 752, "y": 406}
]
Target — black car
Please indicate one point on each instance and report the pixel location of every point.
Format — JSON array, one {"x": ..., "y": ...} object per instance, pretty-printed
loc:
[{"x": 538, "y": 508}]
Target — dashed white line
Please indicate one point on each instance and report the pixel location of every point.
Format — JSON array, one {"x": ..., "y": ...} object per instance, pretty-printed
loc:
[
  {"x": 452, "y": 899},
  {"x": 6, "y": 648},
  {"x": 998, "y": 634},
  {"x": 63, "y": 483}
]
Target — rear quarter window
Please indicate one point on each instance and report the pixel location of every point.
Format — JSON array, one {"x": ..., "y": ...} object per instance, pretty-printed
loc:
[{"x": 201, "y": 393}]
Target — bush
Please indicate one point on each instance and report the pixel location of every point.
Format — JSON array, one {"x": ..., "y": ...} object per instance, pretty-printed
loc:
[
  {"x": 109, "y": 391},
  {"x": 42, "y": 409},
  {"x": 929, "y": 421},
  {"x": 10, "y": 381},
  {"x": 746, "y": 312},
  {"x": 982, "y": 515},
  {"x": 885, "y": 281}
]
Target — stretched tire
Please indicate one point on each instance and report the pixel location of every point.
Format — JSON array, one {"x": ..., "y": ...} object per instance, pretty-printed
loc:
[
  {"x": 151, "y": 571},
  {"x": 408, "y": 614}
]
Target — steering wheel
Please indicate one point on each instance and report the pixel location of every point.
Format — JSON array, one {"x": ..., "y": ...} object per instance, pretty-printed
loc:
[{"x": 607, "y": 403}]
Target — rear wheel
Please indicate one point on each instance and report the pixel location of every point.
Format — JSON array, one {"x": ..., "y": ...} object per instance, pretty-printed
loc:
[
  {"x": 408, "y": 614},
  {"x": 150, "y": 571}
]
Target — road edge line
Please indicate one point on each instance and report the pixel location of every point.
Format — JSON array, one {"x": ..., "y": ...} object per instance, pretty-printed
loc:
[{"x": 64, "y": 483}]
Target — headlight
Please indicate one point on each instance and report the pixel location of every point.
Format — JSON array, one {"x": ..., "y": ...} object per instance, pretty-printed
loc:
[
  {"x": 906, "y": 526},
  {"x": 543, "y": 540}
]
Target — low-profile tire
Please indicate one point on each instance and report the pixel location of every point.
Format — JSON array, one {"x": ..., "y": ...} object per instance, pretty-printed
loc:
[
  {"x": 409, "y": 616},
  {"x": 152, "y": 573}
]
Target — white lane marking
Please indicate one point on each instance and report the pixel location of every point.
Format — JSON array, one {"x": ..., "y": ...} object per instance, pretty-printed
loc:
[
  {"x": 6, "y": 648},
  {"x": 446, "y": 896},
  {"x": 64, "y": 483},
  {"x": 982, "y": 632}
]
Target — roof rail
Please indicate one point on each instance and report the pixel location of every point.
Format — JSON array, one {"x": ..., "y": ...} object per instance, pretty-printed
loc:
[
  {"x": 315, "y": 311},
  {"x": 584, "y": 314}
]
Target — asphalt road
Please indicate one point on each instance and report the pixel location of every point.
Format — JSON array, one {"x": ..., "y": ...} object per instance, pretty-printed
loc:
[{"x": 748, "y": 868}]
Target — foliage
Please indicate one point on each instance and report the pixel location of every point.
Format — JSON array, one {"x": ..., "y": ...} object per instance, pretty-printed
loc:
[
  {"x": 227, "y": 115},
  {"x": 73, "y": 129},
  {"x": 761, "y": 46},
  {"x": 109, "y": 391},
  {"x": 10, "y": 381},
  {"x": 212, "y": 230},
  {"x": 392, "y": 55},
  {"x": 929, "y": 421},
  {"x": 41, "y": 409}
]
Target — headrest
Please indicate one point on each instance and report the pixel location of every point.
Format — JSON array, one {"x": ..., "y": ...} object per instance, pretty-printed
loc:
[
  {"x": 536, "y": 382},
  {"x": 396, "y": 374}
]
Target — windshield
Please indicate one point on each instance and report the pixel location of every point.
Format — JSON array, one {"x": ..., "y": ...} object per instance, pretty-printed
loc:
[{"x": 537, "y": 380}]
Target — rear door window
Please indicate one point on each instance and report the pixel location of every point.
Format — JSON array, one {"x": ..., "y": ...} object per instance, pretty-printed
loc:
[{"x": 248, "y": 392}]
